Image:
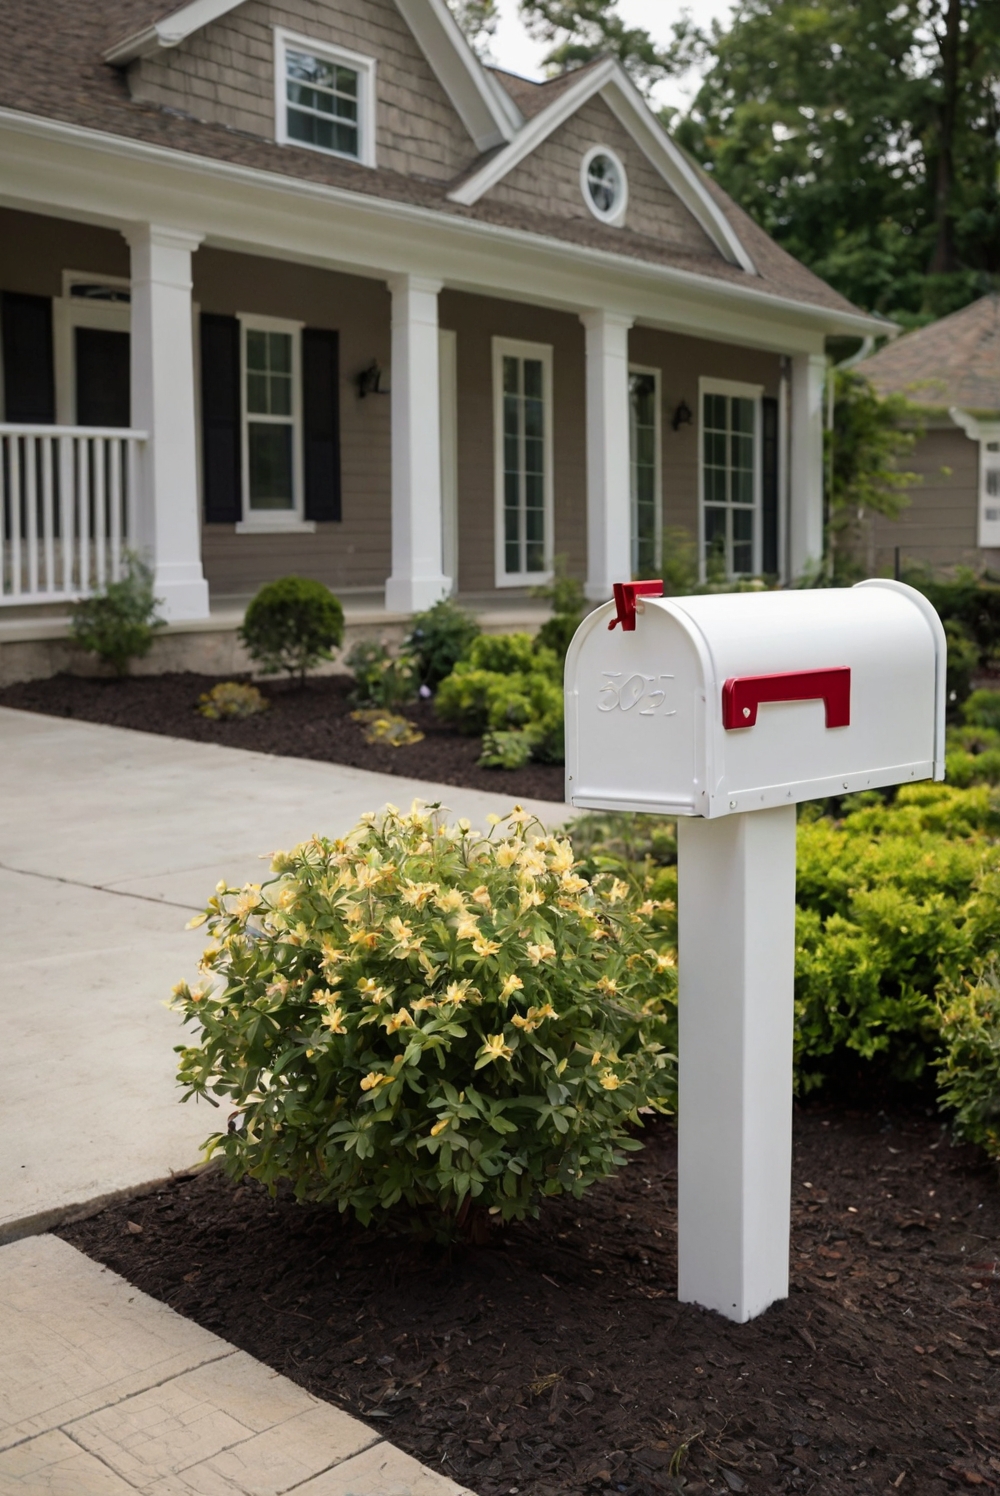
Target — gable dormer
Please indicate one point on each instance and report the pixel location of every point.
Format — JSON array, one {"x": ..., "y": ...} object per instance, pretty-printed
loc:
[{"x": 383, "y": 83}]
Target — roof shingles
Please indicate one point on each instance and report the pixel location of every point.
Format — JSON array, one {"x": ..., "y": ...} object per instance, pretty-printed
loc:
[{"x": 953, "y": 362}]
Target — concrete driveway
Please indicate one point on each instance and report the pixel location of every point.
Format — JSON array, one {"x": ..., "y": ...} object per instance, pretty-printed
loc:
[{"x": 109, "y": 839}]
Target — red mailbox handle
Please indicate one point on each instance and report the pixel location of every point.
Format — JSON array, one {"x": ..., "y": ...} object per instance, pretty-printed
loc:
[
  {"x": 742, "y": 694},
  {"x": 625, "y": 596}
]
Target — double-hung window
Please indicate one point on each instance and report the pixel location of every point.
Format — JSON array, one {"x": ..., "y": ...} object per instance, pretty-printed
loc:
[
  {"x": 522, "y": 384},
  {"x": 730, "y": 477},
  {"x": 644, "y": 469},
  {"x": 271, "y": 364},
  {"x": 324, "y": 98}
]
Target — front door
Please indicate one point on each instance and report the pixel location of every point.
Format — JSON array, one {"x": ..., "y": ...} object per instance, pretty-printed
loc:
[{"x": 102, "y": 377}]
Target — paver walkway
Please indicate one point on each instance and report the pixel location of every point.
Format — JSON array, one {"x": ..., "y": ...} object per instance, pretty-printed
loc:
[
  {"x": 105, "y": 1392},
  {"x": 108, "y": 840}
]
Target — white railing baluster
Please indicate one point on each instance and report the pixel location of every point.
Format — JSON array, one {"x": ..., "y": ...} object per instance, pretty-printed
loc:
[
  {"x": 68, "y": 509},
  {"x": 16, "y": 576},
  {"x": 48, "y": 515},
  {"x": 66, "y": 527},
  {"x": 31, "y": 508},
  {"x": 115, "y": 502},
  {"x": 100, "y": 511}
]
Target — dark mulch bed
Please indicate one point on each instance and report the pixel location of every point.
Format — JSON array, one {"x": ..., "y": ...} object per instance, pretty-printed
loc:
[
  {"x": 313, "y": 722},
  {"x": 557, "y": 1361}
]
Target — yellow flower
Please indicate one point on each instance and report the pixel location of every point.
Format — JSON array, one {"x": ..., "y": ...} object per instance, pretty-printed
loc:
[
  {"x": 199, "y": 919},
  {"x": 405, "y": 941},
  {"x": 607, "y": 984},
  {"x": 617, "y": 892},
  {"x": 423, "y": 1004},
  {"x": 519, "y": 816},
  {"x": 493, "y": 820},
  {"x": 322, "y": 995},
  {"x": 610, "y": 1081},
  {"x": 533, "y": 1018},
  {"x": 464, "y": 826},
  {"x": 330, "y": 955},
  {"x": 561, "y": 860},
  {"x": 373, "y": 1079},
  {"x": 369, "y": 988},
  {"x": 512, "y": 984},
  {"x": 664, "y": 960},
  {"x": 530, "y": 899},
  {"x": 222, "y": 886},
  {"x": 572, "y": 883},
  {"x": 525, "y": 1022},
  {"x": 208, "y": 955},
  {"x": 481, "y": 895},
  {"x": 334, "y": 1021},
  {"x": 543, "y": 952},
  {"x": 353, "y": 913},
  {"x": 506, "y": 853},
  {"x": 483, "y": 947},
  {"x": 531, "y": 860},
  {"x": 285, "y": 900},
  {"x": 367, "y": 938},
  {"x": 545, "y": 1011},
  {"x": 439, "y": 1127},
  {"x": 495, "y": 1048},
  {"x": 467, "y": 927},
  {"x": 393, "y": 1022},
  {"x": 596, "y": 1057},
  {"x": 451, "y": 901},
  {"x": 248, "y": 900},
  {"x": 181, "y": 991},
  {"x": 417, "y": 894},
  {"x": 455, "y": 992}
]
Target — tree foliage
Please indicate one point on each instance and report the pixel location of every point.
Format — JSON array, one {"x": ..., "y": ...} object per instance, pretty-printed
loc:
[
  {"x": 863, "y": 137},
  {"x": 578, "y": 31},
  {"x": 864, "y": 447}
]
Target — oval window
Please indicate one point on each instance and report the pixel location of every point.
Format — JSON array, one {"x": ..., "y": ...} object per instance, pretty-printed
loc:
[{"x": 604, "y": 184}]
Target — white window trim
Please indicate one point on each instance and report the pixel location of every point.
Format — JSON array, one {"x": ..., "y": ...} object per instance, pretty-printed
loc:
[
  {"x": 516, "y": 349},
  {"x": 658, "y": 478},
  {"x": 755, "y": 393},
  {"x": 363, "y": 66},
  {"x": 69, "y": 313},
  {"x": 983, "y": 433},
  {"x": 273, "y": 521},
  {"x": 616, "y": 216},
  {"x": 448, "y": 382}
]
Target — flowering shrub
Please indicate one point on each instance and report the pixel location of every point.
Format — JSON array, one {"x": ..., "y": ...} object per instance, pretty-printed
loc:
[
  {"x": 424, "y": 1020},
  {"x": 232, "y": 698}
]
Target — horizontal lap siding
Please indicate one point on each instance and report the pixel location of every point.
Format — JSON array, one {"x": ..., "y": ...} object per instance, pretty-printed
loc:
[
  {"x": 356, "y": 551},
  {"x": 549, "y": 180},
  {"x": 224, "y": 74},
  {"x": 939, "y": 525},
  {"x": 682, "y": 361},
  {"x": 476, "y": 321}
]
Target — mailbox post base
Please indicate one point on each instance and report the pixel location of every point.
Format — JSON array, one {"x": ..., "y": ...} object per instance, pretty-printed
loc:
[{"x": 736, "y": 958}]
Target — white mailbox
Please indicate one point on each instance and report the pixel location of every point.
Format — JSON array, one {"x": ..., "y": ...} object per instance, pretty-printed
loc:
[
  {"x": 726, "y": 711},
  {"x": 741, "y": 701}
]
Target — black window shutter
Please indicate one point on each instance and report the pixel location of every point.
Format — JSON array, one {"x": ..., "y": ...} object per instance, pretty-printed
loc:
[
  {"x": 769, "y": 464},
  {"x": 28, "y": 367},
  {"x": 321, "y": 422},
  {"x": 220, "y": 419}
]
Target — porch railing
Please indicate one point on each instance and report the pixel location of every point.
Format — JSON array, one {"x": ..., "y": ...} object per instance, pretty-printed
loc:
[{"x": 68, "y": 501}]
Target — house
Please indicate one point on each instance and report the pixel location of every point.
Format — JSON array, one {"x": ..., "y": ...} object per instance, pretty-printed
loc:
[
  {"x": 950, "y": 371},
  {"x": 301, "y": 285}
]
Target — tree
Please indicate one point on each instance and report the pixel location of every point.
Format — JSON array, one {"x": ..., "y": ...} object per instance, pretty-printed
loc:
[
  {"x": 478, "y": 19},
  {"x": 863, "y": 137},
  {"x": 869, "y": 436},
  {"x": 578, "y": 31}
]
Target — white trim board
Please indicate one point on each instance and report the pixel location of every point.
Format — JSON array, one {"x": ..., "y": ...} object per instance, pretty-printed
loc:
[{"x": 609, "y": 80}]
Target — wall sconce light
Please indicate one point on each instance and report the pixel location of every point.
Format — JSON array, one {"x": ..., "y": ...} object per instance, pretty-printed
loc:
[
  {"x": 369, "y": 381},
  {"x": 682, "y": 416}
]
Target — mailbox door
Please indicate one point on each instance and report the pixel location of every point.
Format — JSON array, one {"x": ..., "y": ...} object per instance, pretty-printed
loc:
[{"x": 635, "y": 715}]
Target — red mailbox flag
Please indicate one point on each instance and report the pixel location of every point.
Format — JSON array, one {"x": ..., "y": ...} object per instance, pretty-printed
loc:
[{"x": 625, "y": 596}]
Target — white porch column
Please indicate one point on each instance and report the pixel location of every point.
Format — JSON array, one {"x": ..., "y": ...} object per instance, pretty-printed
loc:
[
  {"x": 609, "y": 506},
  {"x": 417, "y": 579},
  {"x": 805, "y": 517},
  {"x": 163, "y": 403}
]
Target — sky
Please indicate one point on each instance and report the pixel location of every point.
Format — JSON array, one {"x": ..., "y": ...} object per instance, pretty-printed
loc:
[{"x": 513, "y": 48}]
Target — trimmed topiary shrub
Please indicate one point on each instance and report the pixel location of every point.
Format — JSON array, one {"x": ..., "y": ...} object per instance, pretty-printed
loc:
[
  {"x": 118, "y": 623},
  {"x": 291, "y": 625},
  {"x": 423, "y": 1022}
]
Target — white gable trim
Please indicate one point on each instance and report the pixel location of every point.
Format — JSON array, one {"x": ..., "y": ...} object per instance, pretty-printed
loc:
[
  {"x": 170, "y": 31},
  {"x": 612, "y": 83},
  {"x": 486, "y": 110}
]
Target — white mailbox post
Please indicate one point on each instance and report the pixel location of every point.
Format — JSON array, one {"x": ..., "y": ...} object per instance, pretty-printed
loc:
[{"x": 726, "y": 711}]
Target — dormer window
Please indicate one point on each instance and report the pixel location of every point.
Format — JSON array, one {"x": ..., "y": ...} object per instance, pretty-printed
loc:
[
  {"x": 604, "y": 184},
  {"x": 324, "y": 98}
]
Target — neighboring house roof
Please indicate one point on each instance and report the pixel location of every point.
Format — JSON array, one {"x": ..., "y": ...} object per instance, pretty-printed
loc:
[
  {"x": 952, "y": 363},
  {"x": 54, "y": 66}
]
